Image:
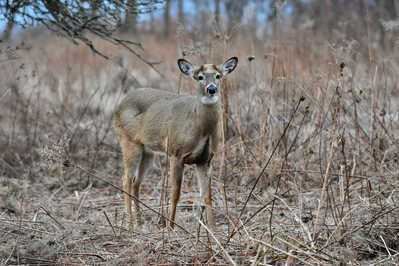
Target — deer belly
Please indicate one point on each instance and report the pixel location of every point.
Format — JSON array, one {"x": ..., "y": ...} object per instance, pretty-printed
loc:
[{"x": 200, "y": 154}]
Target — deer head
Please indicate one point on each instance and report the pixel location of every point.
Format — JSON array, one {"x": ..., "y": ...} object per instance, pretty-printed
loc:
[{"x": 208, "y": 77}]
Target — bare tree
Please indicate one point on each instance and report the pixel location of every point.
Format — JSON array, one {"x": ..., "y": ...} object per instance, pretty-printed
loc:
[
  {"x": 78, "y": 20},
  {"x": 329, "y": 15},
  {"x": 166, "y": 18},
  {"x": 235, "y": 11},
  {"x": 8, "y": 30},
  {"x": 217, "y": 12},
  {"x": 180, "y": 7},
  {"x": 386, "y": 11},
  {"x": 11, "y": 12},
  {"x": 130, "y": 24}
]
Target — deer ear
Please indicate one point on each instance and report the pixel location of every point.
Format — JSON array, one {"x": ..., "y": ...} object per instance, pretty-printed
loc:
[
  {"x": 186, "y": 67},
  {"x": 229, "y": 65}
]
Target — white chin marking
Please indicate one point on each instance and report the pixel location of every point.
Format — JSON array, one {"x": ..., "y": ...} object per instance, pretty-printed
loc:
[{"x": 209, "y": 100}]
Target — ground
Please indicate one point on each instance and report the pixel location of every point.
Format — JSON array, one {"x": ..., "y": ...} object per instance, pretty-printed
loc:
[{"x": 306, "y": 170}]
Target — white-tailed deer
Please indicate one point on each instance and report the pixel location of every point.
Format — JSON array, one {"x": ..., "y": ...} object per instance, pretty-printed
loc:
[{"x": 183, "y": 126}]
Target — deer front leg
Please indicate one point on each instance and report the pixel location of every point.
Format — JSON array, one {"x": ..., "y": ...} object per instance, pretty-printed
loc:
[
  {"x": 145, "y": 164},
  {"x": 204, "y": 179},
  {"x": 127, "y": 188},
  {"x": 176, "y": 173},
  {"x": 129, "y": 151}
]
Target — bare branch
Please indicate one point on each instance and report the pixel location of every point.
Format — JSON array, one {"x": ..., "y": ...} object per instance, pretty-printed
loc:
[{"x": 77, "y": 19}]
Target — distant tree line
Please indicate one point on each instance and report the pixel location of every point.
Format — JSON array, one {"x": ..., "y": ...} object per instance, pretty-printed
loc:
[
  {"x": 74, "y": 18},
  {"x": 355, "y": 18}
]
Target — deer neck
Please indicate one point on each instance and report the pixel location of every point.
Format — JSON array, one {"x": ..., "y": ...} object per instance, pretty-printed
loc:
[{"x": 207, "y": 115}]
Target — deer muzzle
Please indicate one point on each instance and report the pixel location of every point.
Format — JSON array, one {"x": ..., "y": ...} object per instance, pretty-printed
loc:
[{"x": 211, "y": 89}]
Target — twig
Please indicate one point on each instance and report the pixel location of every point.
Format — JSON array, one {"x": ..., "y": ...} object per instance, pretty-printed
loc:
[
  {"x": 85, "y": 254},
  {"x": 301, "y": 99},
  {"x": 31, "y": 229},
  {"x": 9, "y": 257},
  {"x": 304, "y": 227},
  {"x": 298, "y": 249},
  {"x": 109, "y": 222},
  {"x": 280, "y": 250},
  {"x": 323, "y": 190},
  {"x": 271, "y": 155},
  {"x": 384, "y": 260},
  {"x": 52, "y": 217},
  {"x": 379, "y": 215},
  {"x": 337, "y": 227},
  {"x": 386, "y": 247},
  {"x": 4, "y": 94},
  {"x": 82, "y": 200},
  {"x": 122, "y": 223},
  {"x": 229, "y": 258},
  {"x": 41, "y": 261}
]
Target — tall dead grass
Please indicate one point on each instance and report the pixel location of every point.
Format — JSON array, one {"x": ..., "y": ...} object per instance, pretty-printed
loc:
[{"x": 307, "y": 172}]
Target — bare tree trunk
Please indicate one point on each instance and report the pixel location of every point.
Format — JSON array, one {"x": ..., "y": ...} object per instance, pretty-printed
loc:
[
  {"x": 94, "y": 6},
  {"x": 235, "y": 11},
  {"x": 7, "y": 31},
  {"x": 152, "y": 23},
  {"x": 166, "y": 18},
  {"x": 274, "y": 18},
  {"x": 389, "y": 12},
  {"x": 10, "y": 20},
  {"x": 333, "y": 20},
  {"x": 130, "y": 24},
  {"x": 299, "y": 11},
  {"x": 317, "y": 25},
  {"x": 217, "y": 13},
  {"x": 362, "y": 10},
  {"x": 181, "y": 11},
  {"x": 391, "y": 9}
]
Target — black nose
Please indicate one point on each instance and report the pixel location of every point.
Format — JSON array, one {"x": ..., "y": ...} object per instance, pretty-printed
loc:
[{"x": 211, "y": 90}]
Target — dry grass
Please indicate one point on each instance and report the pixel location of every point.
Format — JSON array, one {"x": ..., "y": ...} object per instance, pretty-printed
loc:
[{"x": 295, "y": 182}]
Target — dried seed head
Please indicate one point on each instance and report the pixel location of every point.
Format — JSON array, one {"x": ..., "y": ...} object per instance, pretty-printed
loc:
[
  {"x": 341, "y": 67},
  {"x": 56, "y": 153},
  {"x": 66, "y": 163}
]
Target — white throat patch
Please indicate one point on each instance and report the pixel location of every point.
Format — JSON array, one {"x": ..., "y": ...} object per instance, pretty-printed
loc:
[{"x": 209, "y": 100}]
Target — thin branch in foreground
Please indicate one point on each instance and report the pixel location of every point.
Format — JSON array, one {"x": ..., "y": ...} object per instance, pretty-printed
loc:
[
  {"x": 323, "y": 190},
  {"x": 271, "y": 155},
  {"x": 5, "y": 93},
  {"x": 301, "y": 99},
  {"x": 280, "y": 250},
  {"x": 139, "y": 201},
  {"x": 109, "y": 222},
  {"x": 52, "y": 217},
  {"x": 229, "y": 258}
]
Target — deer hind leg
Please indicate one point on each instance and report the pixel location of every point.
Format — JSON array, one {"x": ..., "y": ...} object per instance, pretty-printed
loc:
[
  {"x": 204, "y": 183},
  {"x": 176, "y": 173},
  {"x": 129, "y": 151},
  {"x": 145, "y": 163}
]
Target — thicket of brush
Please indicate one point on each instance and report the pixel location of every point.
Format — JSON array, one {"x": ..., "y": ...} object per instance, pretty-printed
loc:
[{"x": 307, "y": 170}]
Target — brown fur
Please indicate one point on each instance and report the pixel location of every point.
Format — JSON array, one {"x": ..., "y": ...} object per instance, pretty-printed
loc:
[{"x": 150, "y": 120}]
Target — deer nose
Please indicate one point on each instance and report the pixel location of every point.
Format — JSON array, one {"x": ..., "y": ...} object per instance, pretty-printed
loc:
[{"x": 211, "y": 89}]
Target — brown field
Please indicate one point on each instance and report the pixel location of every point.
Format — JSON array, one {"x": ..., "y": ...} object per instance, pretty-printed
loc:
[{"x": 311, "y": 127}]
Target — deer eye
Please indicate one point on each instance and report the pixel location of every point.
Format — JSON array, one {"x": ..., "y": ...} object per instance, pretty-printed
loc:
[
  {"x": 217, "y": 76},
  {"x": 200, "y": 77}
]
